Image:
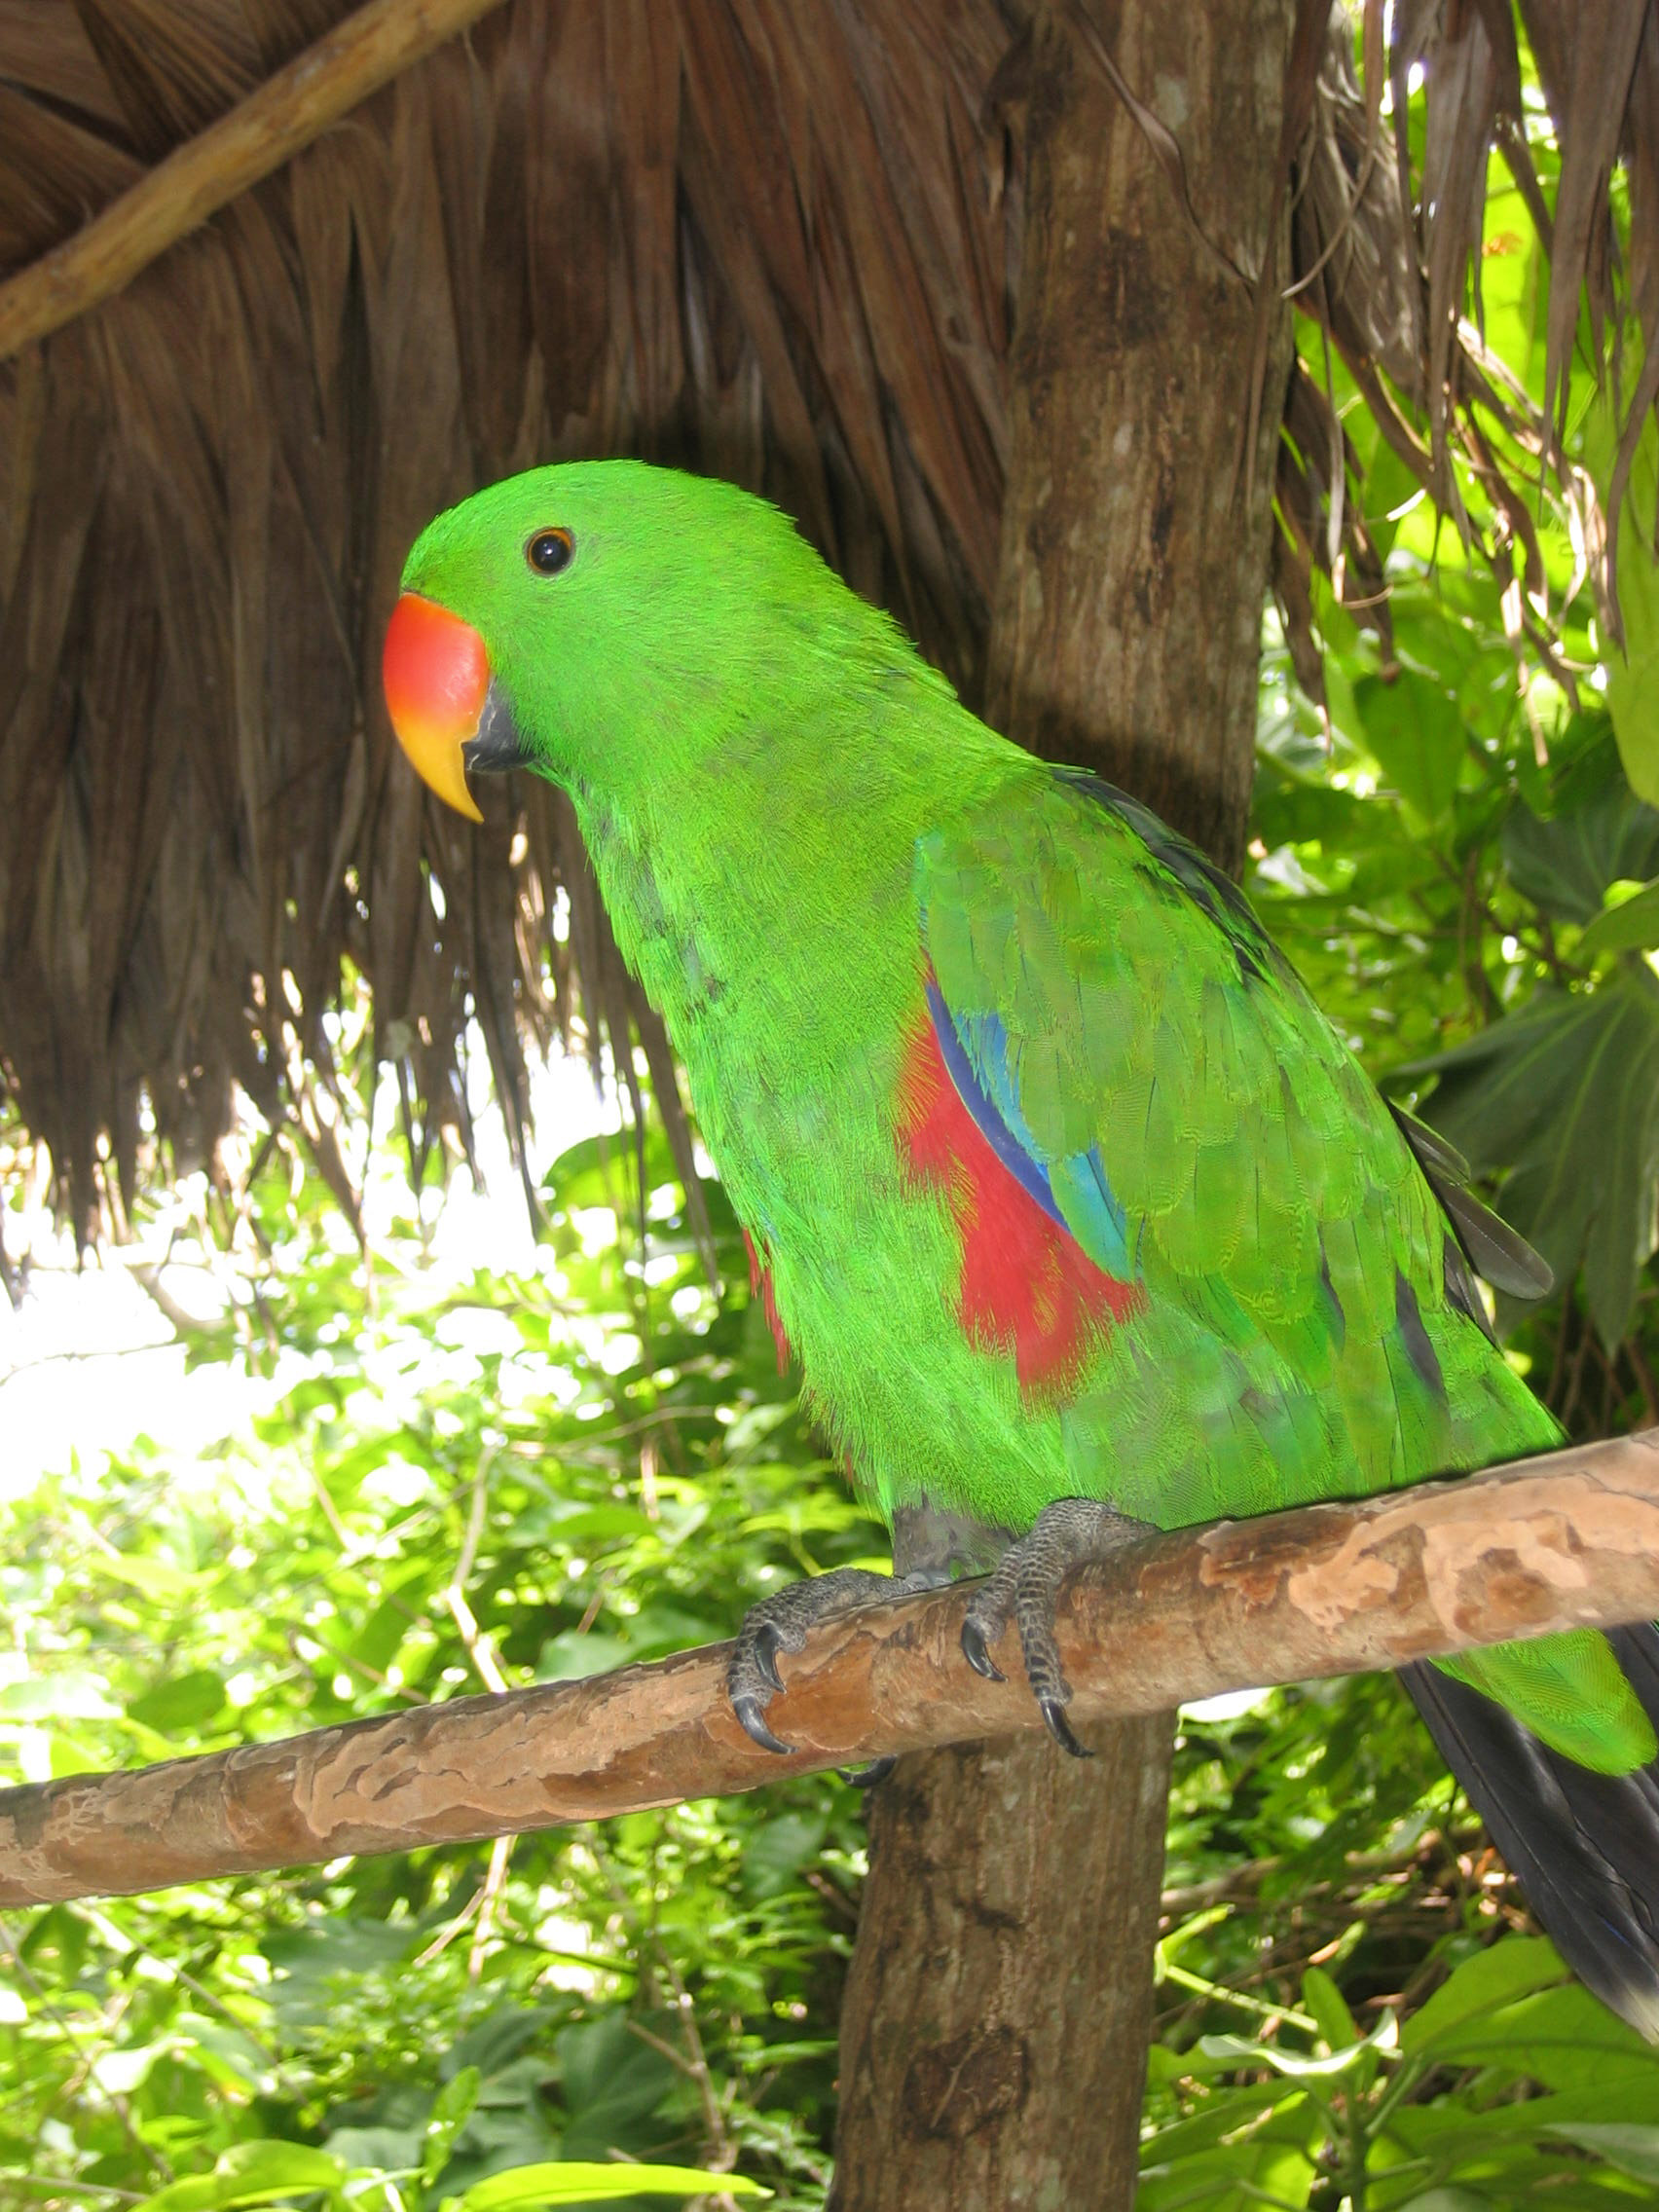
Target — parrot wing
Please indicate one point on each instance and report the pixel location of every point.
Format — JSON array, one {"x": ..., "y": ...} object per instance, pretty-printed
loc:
[
  {"x": 1145, "y": 1062},
  {"x": 1148, "y": 1068}
]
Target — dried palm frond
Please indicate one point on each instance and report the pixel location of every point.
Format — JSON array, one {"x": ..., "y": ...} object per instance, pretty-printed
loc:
[
  {"x": 1389, "y": 262},
  {"x": 774, "y": 243},
  {"x": 748, "y": 239}
]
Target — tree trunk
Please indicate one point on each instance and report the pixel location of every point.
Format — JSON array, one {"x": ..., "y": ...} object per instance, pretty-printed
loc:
[
  {"x": 996, "y": 2017},
  {"x": 1128, "y": 613}
]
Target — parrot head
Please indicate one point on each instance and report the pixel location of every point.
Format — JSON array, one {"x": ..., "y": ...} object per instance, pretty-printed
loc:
[{"x": 586, "y": 621}]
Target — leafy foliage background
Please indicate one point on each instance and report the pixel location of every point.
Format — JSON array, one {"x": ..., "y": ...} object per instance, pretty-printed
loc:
[{"x": 548, "y": 1473}]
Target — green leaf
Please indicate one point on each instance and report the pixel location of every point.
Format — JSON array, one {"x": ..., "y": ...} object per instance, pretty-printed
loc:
[
  {"x": 1632, "y": 672},
  {"x": 1449, "y": 2200},
  {"x": 579, "y": 2183},
  {"x": 1564, "y": 2038},
  {"x": 776, "y": 1853},
  {"x": 154, "y": 1578},
  {"x": 184, "y": 1701},
  {"x": 1633, "y": 923},
  {"x": 1565, "y": 1094},
  {"x": 253, "y": 2173},
  {"x": 451, "y": 2111},
  {"x": 1228, "y": 2109},
  {"x": 1298, "y": 2066},
  {"x": 1492, "y": 1978},
  {"x": 1633, "y": 2149},
  {"x": 614, "y": 2082},
  {"x": 495, "y": 2041},
  {"x": 1416, "y": 734},
  {"x": 569, "y": 1657},
  {"x": 1565, "y": 862},
  {"x": 376, "y": 2149},
  {"x": 1322, "y": 1997}
]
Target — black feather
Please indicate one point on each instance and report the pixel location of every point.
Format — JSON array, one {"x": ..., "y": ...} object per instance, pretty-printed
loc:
[
  {"x": 1496, "y": 1251},
  {"x": 1436, "y": 1155},
  {"x": 1583, "y": 1846},
  {"x": 1460, "y": 1287}
]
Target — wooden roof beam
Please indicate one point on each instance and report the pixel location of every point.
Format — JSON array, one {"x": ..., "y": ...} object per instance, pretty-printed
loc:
[{"x": 300, "y": 101}]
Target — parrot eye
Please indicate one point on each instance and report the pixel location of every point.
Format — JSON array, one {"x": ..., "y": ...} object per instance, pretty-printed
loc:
[{"x": 549, "y": 551}]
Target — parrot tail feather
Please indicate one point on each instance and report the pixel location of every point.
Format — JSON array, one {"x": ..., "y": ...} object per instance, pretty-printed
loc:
[{"x": 1583, "y": 1846}]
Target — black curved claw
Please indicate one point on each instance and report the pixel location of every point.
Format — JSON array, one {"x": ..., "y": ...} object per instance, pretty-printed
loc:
[
  {"x": 753, "y": 1714},
  {"x": 977, "y": 1657},
  {"x": 1059, "y": 1727},
  {"x": 867, "y": 1776},
  {"x": 763, "y": 1645}
]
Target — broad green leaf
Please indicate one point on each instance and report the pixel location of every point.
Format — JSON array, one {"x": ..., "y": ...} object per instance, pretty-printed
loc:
[
  {"x": 258, "y": 2172},
  {"x": 1633, "y": 923},
  {"x": 1223, "y": 2112},
  {"x": 154, "y": 1578},
  {"x": 1416, "y": 734},
  {"x": 1448, "y": 2200},
  {"x": 183, "y": 1701},
  {"x": 1299, "y": 2066},
  {"x": 571, "y": 1656},
  {"x": 614, "y": 2082},
  {"x": 495, "y": 2041},
  {"x": 120, "y": 2071},
  {"x": 1632, "y": 672},
  {"x": 1565, "y": 1094},
  {"x": 1322, "y": 1997},
  {"x": 1633, "y": 2149},
  {"x": 1566, "y": 860},
  {"x": 449, "y": 2113},
  {"x": 774, "y": 1857},
  {"x": 1564, "y": 2038},
  {"x": 579, "y": 2183},
  {"x": 1492, "y": 1978},
  {"x": 376, "y": 2150},
  {"x": 1271, "y": 2164}
]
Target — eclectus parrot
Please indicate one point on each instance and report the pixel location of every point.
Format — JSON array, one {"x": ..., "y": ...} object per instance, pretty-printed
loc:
[{"x": 1076, "y": 1210}]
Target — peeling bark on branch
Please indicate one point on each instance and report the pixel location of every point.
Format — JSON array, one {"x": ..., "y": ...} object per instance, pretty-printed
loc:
[{"x": 1571, "y": 1539}]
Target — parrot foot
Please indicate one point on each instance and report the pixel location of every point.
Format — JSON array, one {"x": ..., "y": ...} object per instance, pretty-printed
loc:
[
  {"x": 1024, "y": 1590},
  {"x": 781, "y": 1622}
]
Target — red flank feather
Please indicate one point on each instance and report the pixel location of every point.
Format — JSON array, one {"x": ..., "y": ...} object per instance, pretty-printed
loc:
[
  {"x": 761, "y": 1285},
  {"x": 1026, "y": 1285}
]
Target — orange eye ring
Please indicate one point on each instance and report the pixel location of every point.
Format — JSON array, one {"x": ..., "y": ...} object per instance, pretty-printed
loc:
[{"x": 550, "y": 551}]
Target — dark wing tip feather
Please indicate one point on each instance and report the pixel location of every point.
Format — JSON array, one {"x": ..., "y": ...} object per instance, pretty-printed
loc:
[
  {"x": 1583, "y": 1846},
  {"x": 1497, "y": 1252},
  {"x": 1436, "y": 1155}
]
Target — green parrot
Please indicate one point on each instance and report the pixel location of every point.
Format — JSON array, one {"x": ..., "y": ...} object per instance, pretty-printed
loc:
[{"x": 1076, "y": 1211}]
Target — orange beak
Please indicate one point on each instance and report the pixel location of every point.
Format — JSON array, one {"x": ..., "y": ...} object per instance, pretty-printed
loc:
[{"x": 436, "y": 676}]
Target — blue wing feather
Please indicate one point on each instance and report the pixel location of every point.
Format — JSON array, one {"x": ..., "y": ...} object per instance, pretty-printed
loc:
[{"x": 1073, "y": 1193}]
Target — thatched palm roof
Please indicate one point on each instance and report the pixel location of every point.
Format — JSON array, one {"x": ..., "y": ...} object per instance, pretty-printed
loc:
[{"x": 775, "y": 241}]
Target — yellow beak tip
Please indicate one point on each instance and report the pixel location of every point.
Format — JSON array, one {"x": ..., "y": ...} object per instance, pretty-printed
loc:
[{"x": 439, "y": 764}]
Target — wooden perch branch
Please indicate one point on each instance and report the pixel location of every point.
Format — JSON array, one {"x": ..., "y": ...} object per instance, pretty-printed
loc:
[
  {"x": 1566, "y": 1540},
  {"x": 261, "y": 132}
]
